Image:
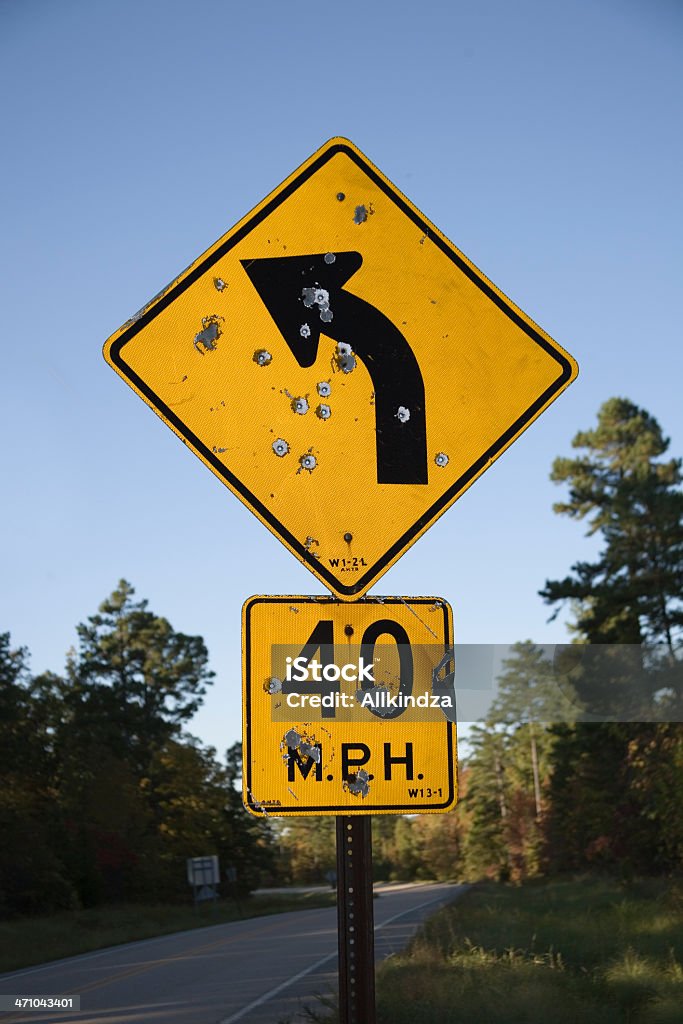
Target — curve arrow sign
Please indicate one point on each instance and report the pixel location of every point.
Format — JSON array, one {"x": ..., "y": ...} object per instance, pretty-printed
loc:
[{"x": 305, "y": 297}]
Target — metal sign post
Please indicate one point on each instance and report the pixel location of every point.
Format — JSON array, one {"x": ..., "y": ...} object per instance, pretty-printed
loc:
[{"x": 355, "y": 920}]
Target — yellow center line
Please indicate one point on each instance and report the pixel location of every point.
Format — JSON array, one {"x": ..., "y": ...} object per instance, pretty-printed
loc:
[{"x": 150, "y": 965}]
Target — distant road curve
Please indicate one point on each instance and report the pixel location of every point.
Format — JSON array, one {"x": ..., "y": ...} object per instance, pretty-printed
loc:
[{"x": 256, "y": 971}]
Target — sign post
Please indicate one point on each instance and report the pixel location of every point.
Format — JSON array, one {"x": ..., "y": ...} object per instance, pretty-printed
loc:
[
  {"x": 355, "y": 920},
  {"x": 347, "y": 712},
  {"x": 347, "y": 373}
]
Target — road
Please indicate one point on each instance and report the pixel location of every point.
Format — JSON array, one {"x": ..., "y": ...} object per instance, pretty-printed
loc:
[{"x": 258, "y": 971}]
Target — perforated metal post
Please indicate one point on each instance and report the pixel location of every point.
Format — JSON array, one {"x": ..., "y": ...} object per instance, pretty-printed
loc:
[{"x": 355, "y": 919}]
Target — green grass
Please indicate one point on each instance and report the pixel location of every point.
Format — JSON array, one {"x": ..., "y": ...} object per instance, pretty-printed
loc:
[
  {"x": 579, "y": 951},
  {"x": 35, "y": 940},
  {"x": 587, "y": 950}
]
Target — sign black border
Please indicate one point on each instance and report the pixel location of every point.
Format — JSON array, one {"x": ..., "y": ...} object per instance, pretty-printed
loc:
[
  {"x": 246, "y": 739},
  {"x": 250, "y": 499}
]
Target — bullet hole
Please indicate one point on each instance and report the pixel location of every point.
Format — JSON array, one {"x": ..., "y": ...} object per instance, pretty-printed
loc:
[
  {"x": 329, "y": 257},
  {"x": 324, "y": 389},
  {"x": 310, "y": 541},
  {"x": 280, "y": 447},
  {"x": 441, "y": 459},
  {"x": 344, "y": 357},
  {"x": 379, "y": 695},
  {"x": 303, "y": 745},
  {"x": 360, "y": 215},
  {"x": 300, "y": 406},
  {"x": 305, "y": 331},
  {"x": 219, "y": 284},
  {"x": 319, "y": 297},
  {"x": 402, "y": 414},
  {"x": 358, "y": 784},
  {"x": 307, "y": 462},
  {"x": 273, "y": 685},
  {"x": 308, "y": 297},
  {"x": 209, "y": 334},
  {"x": 309, "y": 750},
  {"x": 262, "y": 357},
  {"x": 323, "y": 412}
]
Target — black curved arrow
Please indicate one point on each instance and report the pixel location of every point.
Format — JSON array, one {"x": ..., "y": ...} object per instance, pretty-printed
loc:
[{"x": 283, "y": 282}]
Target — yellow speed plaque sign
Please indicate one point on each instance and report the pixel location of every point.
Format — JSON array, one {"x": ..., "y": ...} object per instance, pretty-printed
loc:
[
  {"x": 348, "y": 708},
  {"x": 340, "y": 366}
]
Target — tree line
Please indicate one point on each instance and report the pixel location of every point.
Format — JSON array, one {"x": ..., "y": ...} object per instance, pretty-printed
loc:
[
  {"x": 103, "y": 795},
  {"x": 103, "y": 792}
]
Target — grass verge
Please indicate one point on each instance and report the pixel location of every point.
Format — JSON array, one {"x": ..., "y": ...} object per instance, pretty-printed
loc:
[
  {"x": 37, "y": 940},
  {"x": 588, "y": 950}
]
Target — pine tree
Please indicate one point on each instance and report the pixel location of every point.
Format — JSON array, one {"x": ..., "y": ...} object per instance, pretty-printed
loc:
[
  {"x": 530, "y": 696},
  {"x": 634, "y": 591},
  {"x": 487, "y": 805},
  {"x": 611, "y": 803},
  {"x": 134, "y": 681},
  {"x": 128, "y": 690}
]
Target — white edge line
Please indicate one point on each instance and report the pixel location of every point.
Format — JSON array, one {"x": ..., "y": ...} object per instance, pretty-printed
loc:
[
  {"x": 308, "y": 970},
  {"x": 274, "y": 991}
]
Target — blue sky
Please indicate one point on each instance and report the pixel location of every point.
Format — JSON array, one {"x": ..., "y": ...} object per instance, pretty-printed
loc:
[{"x": 542, "y": 138}]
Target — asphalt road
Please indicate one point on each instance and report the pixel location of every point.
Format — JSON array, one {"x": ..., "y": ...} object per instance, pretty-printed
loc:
[{"x": 258, "y": 971}]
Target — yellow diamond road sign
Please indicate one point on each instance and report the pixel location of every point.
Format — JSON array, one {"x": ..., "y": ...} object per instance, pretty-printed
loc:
[
  {"x": 349, "y": 708},
  {"x": 341, "y": 366}
]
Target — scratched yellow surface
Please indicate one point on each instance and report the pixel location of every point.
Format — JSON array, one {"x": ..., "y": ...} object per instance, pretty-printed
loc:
[
  {"x": 482, "y": 373},
  {"x": 274, "y": 786}
]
